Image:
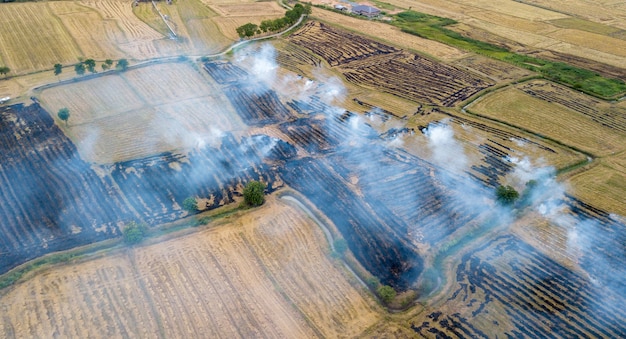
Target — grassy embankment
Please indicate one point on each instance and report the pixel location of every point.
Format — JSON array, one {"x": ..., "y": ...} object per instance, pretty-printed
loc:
[{"x": 433, "y": 27}]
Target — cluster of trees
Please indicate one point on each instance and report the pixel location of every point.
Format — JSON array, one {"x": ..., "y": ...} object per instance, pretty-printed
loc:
[
  {"x": 90, "y": 65},
  {"x": 290, "y": 18},
  {"x": 4, "y": 70}
]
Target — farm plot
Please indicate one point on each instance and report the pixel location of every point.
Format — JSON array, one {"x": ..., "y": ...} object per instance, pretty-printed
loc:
[
  {"x": 157, "y": 186},
  {"x": 600, "y": 112},
  {"x": 515, "y": 107},
  {"x": 391, "y": 35},
  {"x": 201, "y": 29},
  {"x": 493, "y": 69},
  {"x": 255, "y": 103},
  {"x": 507, "y": 288},
  {"x": 281, "y": 283},
  {"x": 110, "y": 112},
  {"x": 604, "y": 184},
  {"x": 335, "y": 46},
  {"x": 88, "y": 29},
  {"x": 412, "y": 77},
  {"x": 130, "y": 34},
  {"x": 371, "y": 64},
  {"x": 51, "y": 199},
  {"x": 33, "y": 38},
  {"x": 390, "y": 206}
]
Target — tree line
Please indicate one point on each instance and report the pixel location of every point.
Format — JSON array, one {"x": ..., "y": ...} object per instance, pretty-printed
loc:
[{"x": 291, "y": 17}]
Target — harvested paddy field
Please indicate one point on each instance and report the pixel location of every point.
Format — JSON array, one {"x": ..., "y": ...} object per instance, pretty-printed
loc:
[
  {"x": 281, "y": 283},
  {"x": 111, "y": 112},
  {"x": 557, "y": 113}
]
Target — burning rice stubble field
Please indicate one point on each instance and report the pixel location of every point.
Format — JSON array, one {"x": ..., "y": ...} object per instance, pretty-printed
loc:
[{"x": 281, "y": 283}]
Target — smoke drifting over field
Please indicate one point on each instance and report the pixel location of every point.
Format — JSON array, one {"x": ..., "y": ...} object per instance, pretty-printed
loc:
[{"x": 402, "y": 215}]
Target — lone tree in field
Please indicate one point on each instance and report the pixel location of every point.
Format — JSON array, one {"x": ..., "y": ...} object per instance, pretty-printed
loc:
[
  {"x": 79, "y": 68},
  {"x": 58, "y": 69},
  {"x": 4, "y": 70},
  {"x": 91, "y": 65},
  {"x": 122, "y": 64},
  {"x": 190, "y": 205},
  {"x": 64, "y": 114},
  {"x": 134, "y": 233},
  {"x": 253, "y": 193},
  {"x": 386, "y": 293},
  {"x": 506, "y": 195}
]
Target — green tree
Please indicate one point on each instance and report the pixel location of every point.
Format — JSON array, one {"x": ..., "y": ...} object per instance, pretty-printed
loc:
[
  {"x": 79, "y": 68},
  {"x": 64, "y": 114},
  {"x": 58, "y": 69},
  {"x": 190, "y": 205},
  {"x": 386, "y": 293},
  {"x": 91, "y": 65},
  {"x": 253, "y": 193},
  {"x": 506, "y": 195},
  {"x": 134, "y": 233},
  {"x": 4, "y": 70},
  {"x": 122, "y": 64}
]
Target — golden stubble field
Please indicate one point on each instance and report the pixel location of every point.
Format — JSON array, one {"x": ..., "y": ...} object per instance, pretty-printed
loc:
[
  {"x": 553, "y": 120},
  {"x": 596, "y": 34},
  {"x": 281, "y": 283},
  {"x": 36, "y": 36},
  {"x": 142, "y": 112}
]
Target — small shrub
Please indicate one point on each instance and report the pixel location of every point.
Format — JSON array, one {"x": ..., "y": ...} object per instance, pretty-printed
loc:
[
  {"x": 190, "y": 205},
  {"x": 253, "y": 194},
  {"x": 134, "y": 233},
  {"x": 386, "y": 293},
  {"x": 506, "y": 195}
]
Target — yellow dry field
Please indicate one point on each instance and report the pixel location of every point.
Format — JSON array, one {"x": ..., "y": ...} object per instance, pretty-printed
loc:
[
  {"x": 264, "y": 274},
  {"x": 593, "y": 41},
  {"x": 603, "y": 186},
  {"x": 539, "y": 27},
  {"x": 493, "y": 69},
  {"x": 32, "y": 37},
  {"x": 195, "y": 22},
  {"x": 586, "y": 25},
  {"x": 606, "y": 11},
  {"x": 519, "y": 109},
  {"x": 249, "y": 9},
  {"x": 142, "y": 112},
  {"x": 390, "y": 34},
  {"x": 88, "y": 29}
]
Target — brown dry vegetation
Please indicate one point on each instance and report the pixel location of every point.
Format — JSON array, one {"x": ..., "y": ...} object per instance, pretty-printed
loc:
[{"x": 280, "y": 283}]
